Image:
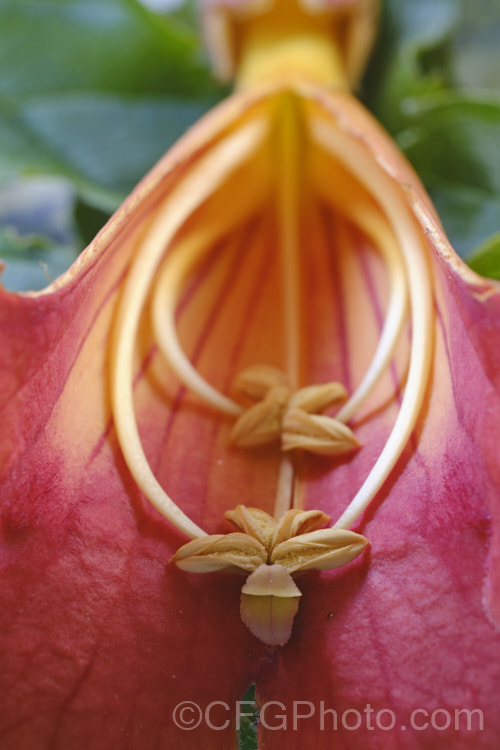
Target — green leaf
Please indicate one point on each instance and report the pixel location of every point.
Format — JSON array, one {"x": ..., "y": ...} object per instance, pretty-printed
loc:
[
  {"x": 474, "y": 56},
  {"x": 89, "y": 220},
  {"x": 486, "y": 259},
  {"x": 453, "y": 141},
  {"x": 452, "y": 138},
  {"x": 104, "y": 143},
  {"x": 94, "y": 91},
  {"x": 83, "y": 80},
  {"x": 249, "y": 714},
  {"x": 410, "y": 56},
  {"x": 104, "y": 45},
  {"x": 33, "y": 260}
]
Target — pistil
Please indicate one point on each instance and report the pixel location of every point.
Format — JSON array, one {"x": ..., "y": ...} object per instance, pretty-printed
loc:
[{"x": 288, "y": 212}]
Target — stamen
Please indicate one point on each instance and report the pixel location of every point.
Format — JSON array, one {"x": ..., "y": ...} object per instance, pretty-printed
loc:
[
  {"x": 293, "y": 419},
  {"x": 361, "y": 213},
  {"x": 368, "y": 172},
  {"x": 272, "y": 552},
  {"x": 207, "y": 175}
]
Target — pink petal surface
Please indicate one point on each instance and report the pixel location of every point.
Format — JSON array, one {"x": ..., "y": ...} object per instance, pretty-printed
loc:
[{"x": 101, "y": 638}]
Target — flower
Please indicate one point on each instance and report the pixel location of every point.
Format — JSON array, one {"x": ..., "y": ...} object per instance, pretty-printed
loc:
[{"x": 266, "y": 242}]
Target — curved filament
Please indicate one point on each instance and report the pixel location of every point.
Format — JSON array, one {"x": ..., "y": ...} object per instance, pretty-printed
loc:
[
  {"x": 177, "y": 267},
  {"x": 349, "y": 153},
  {"x": 360, "y": 212},
  {"x": 204, "y": 178}
]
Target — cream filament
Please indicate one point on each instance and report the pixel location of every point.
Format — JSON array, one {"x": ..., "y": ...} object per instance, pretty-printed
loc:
[{"x": 209, "y": 173}]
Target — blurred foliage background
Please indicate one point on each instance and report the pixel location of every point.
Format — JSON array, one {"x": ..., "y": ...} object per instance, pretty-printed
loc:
[{"x": 92, "y": 92}]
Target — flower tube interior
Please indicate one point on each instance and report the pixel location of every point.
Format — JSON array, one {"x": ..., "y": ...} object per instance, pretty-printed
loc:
[{"x": 302, "y": 163}]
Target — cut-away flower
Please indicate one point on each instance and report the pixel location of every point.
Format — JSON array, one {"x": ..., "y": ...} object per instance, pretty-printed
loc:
[{"x": 273, "y": 331}]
